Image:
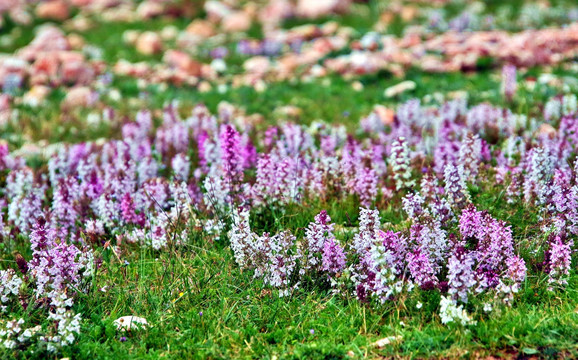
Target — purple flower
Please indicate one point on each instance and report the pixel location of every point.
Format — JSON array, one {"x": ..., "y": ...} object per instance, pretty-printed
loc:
[
  {"x": 128, "y": 211},
  {"x": 461, "y": 276},
  {"x": 333, "y": 257},
  {"x": 401, "y": 164},
  {"x": 509, "y": 83},
  {"x": 316, "y": 235},
  {"x": 470, "y": 223},
  {"x": 231, "y": 157},
  {"x": 421, "y": 269},
  {"x": 455, "y": 186},
  {"x": 219, "y": 52},
  {"x": 559, "y": 260},
  {"x": 366, "y": 185}
]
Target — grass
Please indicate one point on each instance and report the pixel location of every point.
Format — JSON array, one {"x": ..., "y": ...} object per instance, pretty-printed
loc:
[
  {"x": 332, "y": 100},
  {"x": 201, "y": 305}
]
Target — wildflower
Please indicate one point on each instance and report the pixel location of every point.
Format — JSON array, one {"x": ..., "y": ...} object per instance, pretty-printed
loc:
[
  {"x": 316, "y": 235},
  {"x": 450, "y": 312},
  {"x": 469, "y": 157},
  {"x": 559, "y": 260},
  {"x": 9, "y": 286},
  {"x": 369, "y": 224},
  {"x": 333, "y": 259},
  {"x": 366, "y": 185},
  {"x": 461, "y": 277},
  {"x": 455, "y": 186},
  {"x": 509, "y": 84},
  {"x": 401, "y": 165},
  {"x": 421, "y": 269},
  {"x": 232, "y": 162}
]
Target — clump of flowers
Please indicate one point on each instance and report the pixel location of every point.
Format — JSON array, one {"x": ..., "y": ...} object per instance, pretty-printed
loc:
[
  {"x": 559, "y": 260},
  {"x": 450, "y": 312},
  {"x": 333, "y": 259},
  {"x": 509, "y": 83},
  {"x": 455, "y": 186},
  {"x": 400, "y": 159},
  {"x": 56, "y": 271},
  {"x": 273, "y": 258},
  {"x": 10, "y": 284},
  {"x": 316, "y": 235}
]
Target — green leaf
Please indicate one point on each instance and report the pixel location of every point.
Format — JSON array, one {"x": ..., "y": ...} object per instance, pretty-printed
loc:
[{"x": 529, "y": 351}]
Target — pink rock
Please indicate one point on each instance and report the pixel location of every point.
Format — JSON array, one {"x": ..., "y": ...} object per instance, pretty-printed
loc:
[
  {"x": 217, "y": 10},
  {"x": 201, "y": 28},
  {"x": 7, "y": 5},
  {"x": 53, "y": 10},
  {"x": 275, "y": 12},
  {"x": 36, "y": 95},
  {"x": 79, "y": 3},
  {"x": 74, "y": 69},
  {"x": 149, "y": 43},
  {"x": 77, "y": 97},
  {"x": 236, "y": 22},
  {"x": 547, "y": 130},
  {"x": 46, "y": 64},
  {"x": 150, "y": 9},
  {"x": 182, "y": 61},
  {"x": 4, "y": 102},
  {"x": 257, "y": 65},
  {"x": 314, "y": 9}
]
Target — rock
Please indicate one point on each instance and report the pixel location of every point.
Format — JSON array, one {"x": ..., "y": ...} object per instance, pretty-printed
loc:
[
  {"x": 74, "y": 69},
  {"x": 385, "y": 115},
  {"x": 80, "y": 3},
  {"x": 77, "y": 97},
  {"x": 289, "y": 110},
  {"x": 217, "y": 10},
  {"x": 53, "y": 10},
  {"x": 237, "y": 22},
  {"x": 150, "y": 9},
  {"x": 76, "y": 41},
  {"x": 315, "y": 9},
  {"x": 149, "y": 43},
  {"x": 409, "y": 13},
  {"x": 169, "y": 32},
  {"x": 182, "y": 61},
  {"x": 257, "y": 65},
  {"x": 260, "y": 86},
  {"x": 357, "y": 86},
  {"x": 386, "y": 341},
  {"x": 201, "y": 28},
  {"x": 219, "y": 65},
  {"x": 36, "y": 95},
  {"x": 399, "y": 88},
  {"x": 204, "y": 87},
  {"x": 130, "y": 36},
  {"x": 547, "y": 130},
  {"x": 128, "y": 323}
]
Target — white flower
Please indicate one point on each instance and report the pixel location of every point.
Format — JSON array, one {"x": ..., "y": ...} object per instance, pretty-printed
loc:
[{"x": 450, "y": 312}]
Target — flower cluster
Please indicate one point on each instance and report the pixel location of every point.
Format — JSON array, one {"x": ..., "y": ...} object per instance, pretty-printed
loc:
[{"x": 165, "y": 180}]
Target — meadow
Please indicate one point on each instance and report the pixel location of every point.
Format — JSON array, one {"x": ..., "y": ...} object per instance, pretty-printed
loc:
[{"x": 288, "y": 179}]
